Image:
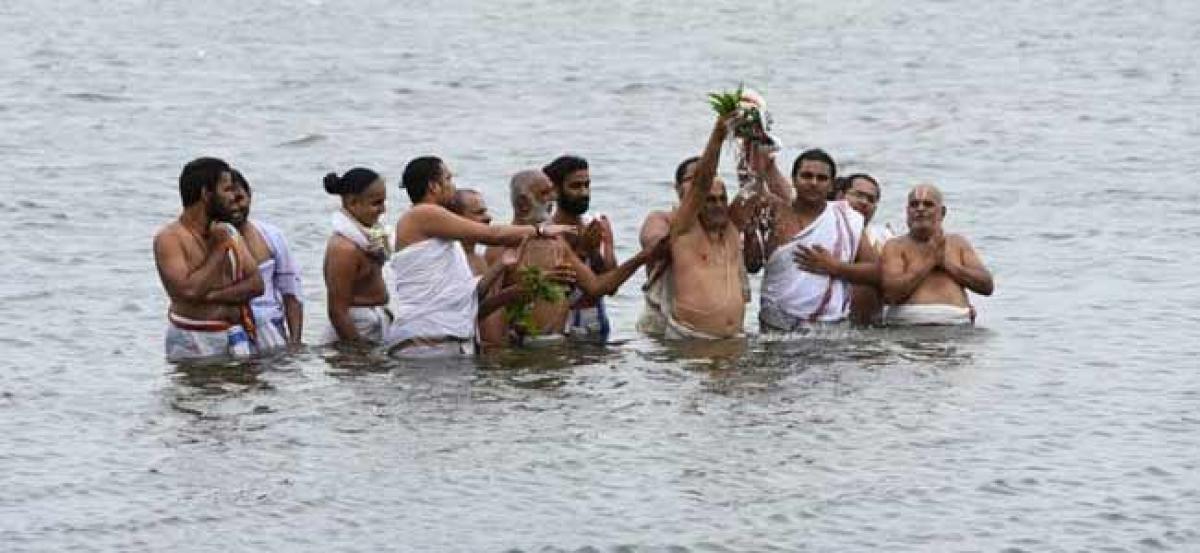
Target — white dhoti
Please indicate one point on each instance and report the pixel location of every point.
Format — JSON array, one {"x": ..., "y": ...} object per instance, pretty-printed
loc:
[
  {"x": 370, "y": 322},
  {"x": 433, "y": 291},
  {"x": 928, "y": 315},
  {"x": 793, "y": 299},
  {"x": 189, "y": 340}
]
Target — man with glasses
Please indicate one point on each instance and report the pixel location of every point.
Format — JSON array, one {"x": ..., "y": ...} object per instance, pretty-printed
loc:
[
  {"x": 862, "y": 193},
  {"x": 815, "y": 250}
]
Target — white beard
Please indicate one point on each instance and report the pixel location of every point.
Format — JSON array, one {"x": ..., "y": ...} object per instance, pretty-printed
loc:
[{"x": 541, "y": 213}]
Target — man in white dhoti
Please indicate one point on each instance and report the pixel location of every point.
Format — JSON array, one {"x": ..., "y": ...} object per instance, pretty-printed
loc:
[
  {"x": 206, "y": 269},
  {"x": 815, "y": 250},
  {"x": 926, "y": 273},
  {"x": 700, "y": 293},
  {"x": 278, "y": 312},
  {"x": 431, "y": 282},
  {"x": 354, "y": 256}
]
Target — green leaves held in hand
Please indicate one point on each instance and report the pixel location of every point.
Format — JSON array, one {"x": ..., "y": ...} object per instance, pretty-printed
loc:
[
  {"x": 536, "y": 287},
  {"x": 726, "y": 102}
]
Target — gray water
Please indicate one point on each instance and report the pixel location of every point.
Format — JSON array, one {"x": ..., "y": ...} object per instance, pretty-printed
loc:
[{"x": 1064, "y": 134}]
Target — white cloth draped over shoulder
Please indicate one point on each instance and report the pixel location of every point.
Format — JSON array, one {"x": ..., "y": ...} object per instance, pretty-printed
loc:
[
  {"x": 792, "y": 298},
  {"x": 433, "y": 292}
]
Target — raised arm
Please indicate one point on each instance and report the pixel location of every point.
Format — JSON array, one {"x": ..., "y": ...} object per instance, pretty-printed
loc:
[
  {"x": 967, "y": 269},
  {"x": 706, "y": 171}
]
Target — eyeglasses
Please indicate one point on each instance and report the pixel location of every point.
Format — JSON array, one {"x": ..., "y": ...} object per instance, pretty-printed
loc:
[{"x": 809, "y": 175}]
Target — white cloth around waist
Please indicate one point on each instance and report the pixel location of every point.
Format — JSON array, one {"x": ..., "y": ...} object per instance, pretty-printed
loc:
[
  {"x": 791, "y": 294},
  {"x": 928, "y": 314},
  {"x": 433, "y": 292}
]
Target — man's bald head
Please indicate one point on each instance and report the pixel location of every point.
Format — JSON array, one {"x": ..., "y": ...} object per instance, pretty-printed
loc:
[
  {"x": 925, "y": 211},
  {"x": 531, "y": 192},
  {"x": 926, "y": 191}
]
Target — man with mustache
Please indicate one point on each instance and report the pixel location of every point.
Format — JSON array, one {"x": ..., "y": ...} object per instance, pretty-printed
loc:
[
  {"x": 926, "y": 273},
  {"x": 593, "y": 244},
  {"x": 531, "y": 191},
  {"x": 701, "y": 293},
  {"x": 206, "y": 269},
  {"x": 278, "y": 312}
]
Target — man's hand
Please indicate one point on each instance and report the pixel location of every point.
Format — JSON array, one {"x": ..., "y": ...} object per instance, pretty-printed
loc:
[
  {"x": 563, "y": 274},
  {"x": 816, "y": 260},
  {"x": 761, "y": 158}
]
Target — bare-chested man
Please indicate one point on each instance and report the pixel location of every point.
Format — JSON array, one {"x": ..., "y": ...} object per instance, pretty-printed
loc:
[
  {"x": 926, "y": 273},
  {"x": 554, "y": 256},
  {"x": 206, "y": 269},
  {"x": 657, "y": 224},
  {"x": 593, "y": 245},
  {"x": 354, "y": 256},
  {"x": 432, "y": 283},
  {"x": 815, "y": 250},
  {"x": 278, "y": 312},
  {"x": 701, "y": 293}
]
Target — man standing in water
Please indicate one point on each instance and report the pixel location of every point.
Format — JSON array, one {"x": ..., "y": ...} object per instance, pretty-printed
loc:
[
  {"x": 701, "y": 293},
  {"x": 815, "y": 250},
  {"x": 280, "y": 301},
  {"x": 926, "y": 273},
  {"x": 432, "y": 283},
  {"x": 593, "y": 245},
  {"x": 555, "y": 258},
  {"x": 356, "y": 295},
  {"x": 206, "y": 269}
]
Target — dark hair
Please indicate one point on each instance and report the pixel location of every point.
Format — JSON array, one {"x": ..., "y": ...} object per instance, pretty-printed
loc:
[
  {"x": 815, "y": 154},
  {"x": 458, "y": 204},
  {"x": 681, "y": 170},
  {"x": 240, "y": 180},
  {"x": 558, "y": 169},
  {"x": 353, "y": 182},
  {"x": 418, "y": 174},
  {"x": 200, "y": 174},
  {"x": 850, "y": 181},
  {"x": 840, "y": 184}
]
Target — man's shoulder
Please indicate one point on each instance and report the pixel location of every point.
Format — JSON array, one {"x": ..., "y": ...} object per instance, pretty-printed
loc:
[{"x": 168, "y": 232}]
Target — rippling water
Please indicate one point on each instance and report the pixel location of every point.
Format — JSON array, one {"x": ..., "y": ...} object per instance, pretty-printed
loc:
[{"x": 1065, "y": 135}]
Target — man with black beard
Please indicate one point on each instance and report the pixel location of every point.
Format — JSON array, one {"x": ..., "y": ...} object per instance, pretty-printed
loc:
[
  {"x": 279, "y": 311},
  {"x": 593, "y": 244},
  {"x": 208, "y": 272}
]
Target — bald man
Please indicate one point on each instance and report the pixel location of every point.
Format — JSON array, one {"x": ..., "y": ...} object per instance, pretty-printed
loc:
[{"x": 926, "y": 273}]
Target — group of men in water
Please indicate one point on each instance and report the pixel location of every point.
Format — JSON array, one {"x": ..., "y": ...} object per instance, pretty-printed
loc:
[{"x": 426, "y": 289}]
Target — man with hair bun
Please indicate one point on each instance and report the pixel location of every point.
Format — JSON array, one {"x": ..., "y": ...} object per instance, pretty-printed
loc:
[
  {"x": 206, "y": 269},
  {"x": 356, "y": 297}
]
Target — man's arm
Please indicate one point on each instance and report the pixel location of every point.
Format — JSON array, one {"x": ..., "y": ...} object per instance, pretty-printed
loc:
[
  {"x": 968, "y": 269},
  {"x": 607, "y": 283},
  {"x": 341, "y": 266},
  {"x": 706, "y": 170},
  {"x": 864, "y": 270},
  {"x": 439, "y": 222},
  {"x": 243, "y": 289},
  {"x": 180, "y": 281},
  {"x": 897, "y": 281},
  {"x": 608, "y": 252},
  {"x": 293, "y": 312}
]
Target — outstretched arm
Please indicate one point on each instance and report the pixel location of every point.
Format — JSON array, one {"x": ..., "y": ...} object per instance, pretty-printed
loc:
[
  {"x": 438, "y": 222},
  {"x": 967, "y": 269},
  {"x": 607, "y": 283}
]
